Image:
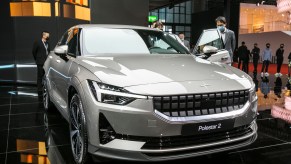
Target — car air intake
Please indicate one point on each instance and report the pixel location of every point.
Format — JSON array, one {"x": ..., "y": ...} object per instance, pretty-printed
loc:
[
  {"x": 200, "y": 104},
  {"x": 106, "y": 132}
]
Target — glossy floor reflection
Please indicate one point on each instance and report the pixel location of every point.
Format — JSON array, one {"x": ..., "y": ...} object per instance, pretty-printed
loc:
[{"x": 29, "y": 135}]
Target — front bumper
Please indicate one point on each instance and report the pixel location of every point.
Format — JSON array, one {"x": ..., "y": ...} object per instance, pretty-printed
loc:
[
  {"x": 171, "y": 154},
  {"x": 138, "y": 122}
]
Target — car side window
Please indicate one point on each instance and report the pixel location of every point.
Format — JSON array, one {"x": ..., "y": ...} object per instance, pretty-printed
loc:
[
  {"x": 208, "y": 38},
  {"x": 72, "y": 42},
  {"x": 63, "y": 40}
]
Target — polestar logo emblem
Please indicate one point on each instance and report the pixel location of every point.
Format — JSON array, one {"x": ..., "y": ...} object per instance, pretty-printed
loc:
[{"x": 205, "y": 85}]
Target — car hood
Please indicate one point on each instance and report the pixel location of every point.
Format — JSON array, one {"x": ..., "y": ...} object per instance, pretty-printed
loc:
[{"x": 135, "y": 70}]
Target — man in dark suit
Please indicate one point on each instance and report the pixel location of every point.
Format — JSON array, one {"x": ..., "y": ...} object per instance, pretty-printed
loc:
[
  {"x": 242, "y": 55},
  {"x": 280, "y": 57},
  {"x": 256, "y": 56},
  {"x": 227, "y": 35},
  {"x": 185, "y": 42},
  {"x": 40, "y": 50}
]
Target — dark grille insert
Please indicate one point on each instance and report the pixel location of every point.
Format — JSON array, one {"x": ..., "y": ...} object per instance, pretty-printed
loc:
[
  {"x": 180, "y": 141},
  {"x": 200, "y": 104}
]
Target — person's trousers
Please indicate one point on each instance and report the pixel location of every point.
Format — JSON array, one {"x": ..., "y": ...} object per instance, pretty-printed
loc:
[
  {"x": 245, "y": 66},
  {"x": 255, "y": 62},
  {"x": 40, "y": 74},
  {"x": 279, "y": 65},
  {"x": 265, "y": 66},
  {"x": 239, "y": 63}
]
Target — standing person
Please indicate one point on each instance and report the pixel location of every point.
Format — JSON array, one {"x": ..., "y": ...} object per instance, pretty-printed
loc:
[
  {"x": 185, "y": 42},
  {"x": 242, "y": 54},
  {"x": 40, "y": 50},
  {"x": 158, "y": 25},
  {"x": 246, "y": 62},
  {"x": 280, "y": 58},
  {"x": 255, "y": 54},
  {"x": 227, "y": 36},
  {"x": 267, "y": 56}
]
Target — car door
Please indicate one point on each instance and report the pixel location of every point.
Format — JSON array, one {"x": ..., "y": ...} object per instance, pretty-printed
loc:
[
  {"x": 62, "y": 67},
  {"x": 52, "y": 71},
  {"x": 210, "y": 47}
]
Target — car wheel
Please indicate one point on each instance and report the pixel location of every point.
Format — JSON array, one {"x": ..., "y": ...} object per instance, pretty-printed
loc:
[
  {"x": 78, "y": 130},
  {"x": 47, "y": 104}
]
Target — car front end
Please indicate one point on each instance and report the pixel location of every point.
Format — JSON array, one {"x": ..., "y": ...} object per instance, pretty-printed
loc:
[
  {"x": 139, "y": 95},
  {"x": 172, "y": 120}
]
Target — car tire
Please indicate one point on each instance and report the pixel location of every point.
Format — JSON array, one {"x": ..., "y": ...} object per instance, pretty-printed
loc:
[
  {"x": 47, "y": 104},
  {"x": 78, "y": 131}
]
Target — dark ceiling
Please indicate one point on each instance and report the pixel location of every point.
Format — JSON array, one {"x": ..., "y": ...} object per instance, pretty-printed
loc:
[{"x": 155, "y": 4}]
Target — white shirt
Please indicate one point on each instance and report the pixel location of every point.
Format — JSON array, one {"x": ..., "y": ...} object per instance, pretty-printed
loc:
[{"x": 223, "y": 35}]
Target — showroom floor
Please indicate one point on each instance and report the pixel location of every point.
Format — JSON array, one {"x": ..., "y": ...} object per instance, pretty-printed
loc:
[{"x": 29, "y": 135}]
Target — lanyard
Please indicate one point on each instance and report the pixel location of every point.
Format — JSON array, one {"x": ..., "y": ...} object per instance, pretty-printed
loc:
[{"x": 46, "y": 47}]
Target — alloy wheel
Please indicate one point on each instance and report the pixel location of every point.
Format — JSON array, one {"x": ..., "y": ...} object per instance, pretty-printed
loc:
[{"x": 76, "y": 132}]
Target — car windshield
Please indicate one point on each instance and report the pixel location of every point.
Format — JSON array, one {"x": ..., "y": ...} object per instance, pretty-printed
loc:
[{"x": 129, "y": 41}]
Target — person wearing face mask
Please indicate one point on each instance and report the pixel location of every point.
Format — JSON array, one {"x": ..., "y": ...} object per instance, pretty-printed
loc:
[
  {"x": 227, "y": 35},
  {"x": 267, "y": 56},
  {"x": 256, "y": 56},
  {"x": 40, "y": 51},
  {"x": 242, "y": 55},
  {"x": 280, "y": 58}
]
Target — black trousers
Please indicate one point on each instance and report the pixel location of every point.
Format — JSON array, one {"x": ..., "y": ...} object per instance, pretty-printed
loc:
[
  {"x": 239, "y": 63},
  {"x": 245, "y": 66},
  {"x": 279, "y": 65},
  {"x": 40, "y": 74},
  {"x": 255, "y": 62},
  {"x": 265, "y": 66}
]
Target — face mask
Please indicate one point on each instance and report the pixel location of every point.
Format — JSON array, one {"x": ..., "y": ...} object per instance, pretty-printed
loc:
[
  {"x": 47, "y": 38},
  {"x": 221, "y": 28},
  {"x": 268, "y": 46},
  {"x": 282, "y": 47}
]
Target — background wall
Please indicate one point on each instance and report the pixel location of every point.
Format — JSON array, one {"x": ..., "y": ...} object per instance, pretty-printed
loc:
[
  {"x": 7, "y": 71},
  {"x": 130, "y": 12},
  {"x": 19, "y": 33},
  {"x": 26, "y": 31},
  {"x": 274, "y": 38}
]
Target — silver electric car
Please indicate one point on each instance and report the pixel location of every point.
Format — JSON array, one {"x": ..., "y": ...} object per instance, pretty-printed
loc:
[{"x": 135, "y": 93}]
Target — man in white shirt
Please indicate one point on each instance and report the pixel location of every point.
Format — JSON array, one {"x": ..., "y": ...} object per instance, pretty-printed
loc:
[{"x": 227, "y": 35}]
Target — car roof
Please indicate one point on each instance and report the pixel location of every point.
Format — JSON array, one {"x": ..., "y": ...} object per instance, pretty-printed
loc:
[{"x": 114, "y": 26}]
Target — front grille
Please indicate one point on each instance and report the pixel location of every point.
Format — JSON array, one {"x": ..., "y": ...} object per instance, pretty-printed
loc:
[
  {"x": 160, "y": 143},
  {"x": 200, "y": 104}
]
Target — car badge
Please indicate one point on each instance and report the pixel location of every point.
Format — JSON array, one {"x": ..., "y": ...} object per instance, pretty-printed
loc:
[{"x": 205, "y": 85}]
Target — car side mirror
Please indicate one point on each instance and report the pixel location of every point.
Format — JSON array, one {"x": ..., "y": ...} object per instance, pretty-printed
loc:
[
  {"x": 61, "y": 50},
  {"x": 209, "y": 50}
]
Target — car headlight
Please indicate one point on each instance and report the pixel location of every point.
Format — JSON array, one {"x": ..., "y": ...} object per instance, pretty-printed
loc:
[
  {"x": 110, "y": 94},
  {"x": 253, "y": 94}
]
